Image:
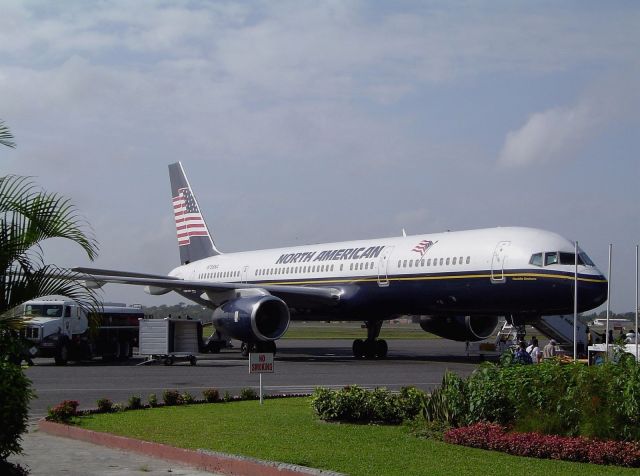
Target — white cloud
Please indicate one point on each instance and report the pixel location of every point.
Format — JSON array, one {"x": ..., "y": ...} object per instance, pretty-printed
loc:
[
  {"x": 559, "y": 134},
  {"x": 555, "y": 134}
]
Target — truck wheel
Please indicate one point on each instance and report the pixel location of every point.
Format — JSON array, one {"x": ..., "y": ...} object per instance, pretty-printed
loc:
[
  {"x": 124, "y": 350},
  {"x": 193, "y": 360},
  {"x": 62, "y": 356},
  {"x": 168, "y": 361}
]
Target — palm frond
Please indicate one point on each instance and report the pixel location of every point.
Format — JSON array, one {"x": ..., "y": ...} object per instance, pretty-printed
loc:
[
  {"x": 39, "y": 215},
  {"x": 24, "y": 283},
  {"x": 6, "y": 138}
]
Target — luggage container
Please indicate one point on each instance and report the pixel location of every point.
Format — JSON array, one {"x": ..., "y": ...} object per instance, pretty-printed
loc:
[{"x": 170, "y": 339}]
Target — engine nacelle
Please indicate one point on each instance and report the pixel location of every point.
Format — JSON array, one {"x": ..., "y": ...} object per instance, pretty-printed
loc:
[
  {"x": 252, "y": 318},
  {"x": 460, "y": 328}
]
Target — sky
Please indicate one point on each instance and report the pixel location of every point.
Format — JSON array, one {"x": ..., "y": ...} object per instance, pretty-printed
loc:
[{"x": 303, "y": 122}]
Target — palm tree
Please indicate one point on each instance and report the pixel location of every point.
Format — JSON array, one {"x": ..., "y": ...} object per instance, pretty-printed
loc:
[{"x": 28, "y": 216}]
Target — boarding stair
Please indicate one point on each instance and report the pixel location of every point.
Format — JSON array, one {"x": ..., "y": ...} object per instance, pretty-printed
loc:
[{"x": 560, "y": 328}]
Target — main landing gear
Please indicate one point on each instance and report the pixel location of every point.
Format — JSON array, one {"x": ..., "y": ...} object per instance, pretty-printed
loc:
[
  {"x": 249, "y": 347},
  {"x": 371, "y": 347}
]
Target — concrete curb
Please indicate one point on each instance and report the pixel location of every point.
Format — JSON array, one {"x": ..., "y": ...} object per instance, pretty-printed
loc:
[{"x": 201, "y": 459}]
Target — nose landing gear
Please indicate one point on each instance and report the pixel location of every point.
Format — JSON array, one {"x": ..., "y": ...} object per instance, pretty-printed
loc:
[{"x": 371, "y": 347}]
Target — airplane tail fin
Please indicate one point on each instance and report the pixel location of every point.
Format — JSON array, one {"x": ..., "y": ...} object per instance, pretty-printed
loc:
[{"x": 194, "y": 239}]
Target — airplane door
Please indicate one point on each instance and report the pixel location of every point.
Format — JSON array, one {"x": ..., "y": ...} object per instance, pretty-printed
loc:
[
  {"x": 383, "y": 267},
  {"x": 245, "y": 274},
  {"x": 497, "y": 262}
]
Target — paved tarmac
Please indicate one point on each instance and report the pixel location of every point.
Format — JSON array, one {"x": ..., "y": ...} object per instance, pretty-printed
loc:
[{"x": 300, "y": 366}]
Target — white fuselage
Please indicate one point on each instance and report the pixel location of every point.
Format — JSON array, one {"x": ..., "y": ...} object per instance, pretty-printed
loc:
[{"x": 442, "y": 267}]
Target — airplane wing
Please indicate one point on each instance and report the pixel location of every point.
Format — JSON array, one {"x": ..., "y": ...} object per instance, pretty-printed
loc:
[{"x": 294, "y": 296}]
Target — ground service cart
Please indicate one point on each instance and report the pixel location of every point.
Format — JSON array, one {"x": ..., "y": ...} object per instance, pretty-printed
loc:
[{"x": 170, "y": 339}]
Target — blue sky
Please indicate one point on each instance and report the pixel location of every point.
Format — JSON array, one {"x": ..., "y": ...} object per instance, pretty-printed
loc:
[{"x": 303, "y": 122}]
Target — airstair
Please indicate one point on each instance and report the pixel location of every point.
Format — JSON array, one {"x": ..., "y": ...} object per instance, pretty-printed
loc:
[{"x": 560, "y": 328}]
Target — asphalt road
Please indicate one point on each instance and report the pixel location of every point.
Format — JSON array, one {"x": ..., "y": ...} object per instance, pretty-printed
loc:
[{"x": 300, "y": 366}]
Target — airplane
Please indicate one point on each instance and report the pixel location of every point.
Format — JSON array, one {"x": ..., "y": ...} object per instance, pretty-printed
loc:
[{"x": 459, "y": 283}]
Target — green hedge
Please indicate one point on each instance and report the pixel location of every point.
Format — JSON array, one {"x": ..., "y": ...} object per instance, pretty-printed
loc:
[
  {"x": 565, "y": 399},
  {"x": 15, "y": 393},
  {"x": 357, "y": 405}
]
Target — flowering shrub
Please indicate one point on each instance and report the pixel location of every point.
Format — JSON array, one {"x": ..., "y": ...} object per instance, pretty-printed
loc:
[
  {"x": 104, "y": 405},
  {"x": 186, "y": 398},
  {"x": 491, "y": 436},
  {"x": 248, "y": 393},
  {"x": 63, "y": 411},
  {"x": 211, "y": 395},
  {"x": 135, "y": 402},
  {"x": 171, "y": 397},
  {"x": 153, "y": 400}
]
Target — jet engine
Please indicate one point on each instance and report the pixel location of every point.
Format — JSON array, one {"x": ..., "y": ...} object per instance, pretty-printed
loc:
[
  {"x": 460, "y": 328},
  {"x": 252, "y": 318}
]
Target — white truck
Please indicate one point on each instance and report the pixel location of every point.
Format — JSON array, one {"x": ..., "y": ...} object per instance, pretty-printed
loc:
[{"x": 60, "y": 329}]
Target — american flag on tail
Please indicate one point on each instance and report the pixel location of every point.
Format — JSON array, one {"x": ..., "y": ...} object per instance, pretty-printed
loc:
[
  {"x": 189, "y": 221},
  {"x": 423, "y": 246}
]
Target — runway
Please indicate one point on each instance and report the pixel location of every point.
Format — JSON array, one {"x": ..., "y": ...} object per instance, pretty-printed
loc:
[{"x": 300, "y": 366}]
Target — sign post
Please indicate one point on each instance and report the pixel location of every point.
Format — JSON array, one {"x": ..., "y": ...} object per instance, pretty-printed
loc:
[{"x": 260, "y": 363}]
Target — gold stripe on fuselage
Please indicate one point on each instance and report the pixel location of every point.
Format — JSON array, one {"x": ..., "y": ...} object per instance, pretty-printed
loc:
[{"x": 514, "y": 276}]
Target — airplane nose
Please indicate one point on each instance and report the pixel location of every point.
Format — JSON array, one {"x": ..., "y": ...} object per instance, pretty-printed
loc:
[{"x": 592, "y": 293}]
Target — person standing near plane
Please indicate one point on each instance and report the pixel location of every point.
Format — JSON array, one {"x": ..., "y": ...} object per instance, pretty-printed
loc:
[
  {"x": 550, "y": 350},
  {"x": 535, "y": 353},
  {"x": 522, "y": 356}
]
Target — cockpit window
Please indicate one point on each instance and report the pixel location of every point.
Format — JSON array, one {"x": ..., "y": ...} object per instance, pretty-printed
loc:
[
  {"x": 586, "y": 259},
  {"x": 550, "y": 258},
  {"x": 570, "y": 258},
  {"x": 536, "y": 259}
]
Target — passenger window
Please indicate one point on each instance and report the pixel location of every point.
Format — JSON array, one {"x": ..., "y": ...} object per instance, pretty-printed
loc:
[
  {"x": 404, "y": 264},
  {"x": 448, "y": 260},
  {"x": 454, "y": 260},
  {"x": 331, "y": 267},
  {"x": 441, "y": 260},
  {"x": 550, "y": 258},
  {"x": 341, "y": 267},
  {"x": 422, "y": 262},
  {"x": 468, "y": 259},
  {"x": 536, "y": 259},
  {"x": 429, "y": 262},
  {"x": 410, "y": 263},
  {"x": 460, "y": 259},
  {"x": 399, "y": 263}
]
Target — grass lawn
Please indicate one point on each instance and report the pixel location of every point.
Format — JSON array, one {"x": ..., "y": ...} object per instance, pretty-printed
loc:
[
  {"x": 353, "y": 330},
  {"x": 287, "y": 430}
]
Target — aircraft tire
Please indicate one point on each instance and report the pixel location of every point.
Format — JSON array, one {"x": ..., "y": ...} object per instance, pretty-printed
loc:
[
  {"x": 358, "y": 348},
  {"x": 381, "y": 349},
  {"x": 370, "y": 349},
  {"x": 244, "y": 349}
]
